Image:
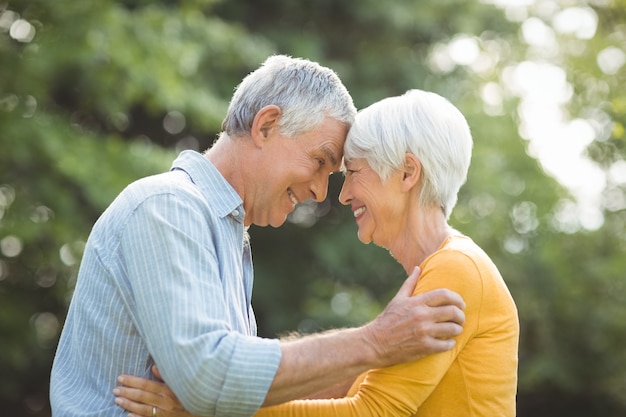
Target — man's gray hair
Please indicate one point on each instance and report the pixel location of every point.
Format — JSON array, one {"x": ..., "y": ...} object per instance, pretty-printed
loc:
[
  {"x": 424, "y": 124},
  {"x": 305, "y": 91}
]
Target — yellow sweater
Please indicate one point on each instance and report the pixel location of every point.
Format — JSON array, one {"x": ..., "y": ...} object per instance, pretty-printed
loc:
[{"x": 478, "y": 377}]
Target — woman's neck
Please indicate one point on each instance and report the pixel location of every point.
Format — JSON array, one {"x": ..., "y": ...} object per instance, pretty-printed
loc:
[{"x": 423, "y": 234}]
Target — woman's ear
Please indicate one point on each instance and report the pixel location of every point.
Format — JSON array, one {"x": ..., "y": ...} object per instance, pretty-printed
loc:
[
  {"x": 265, "y": 123},
  {"x": 412, "y": 172}
]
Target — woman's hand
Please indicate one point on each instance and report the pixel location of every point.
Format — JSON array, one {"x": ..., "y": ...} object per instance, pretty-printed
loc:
[{"x": 146, "y": 398}]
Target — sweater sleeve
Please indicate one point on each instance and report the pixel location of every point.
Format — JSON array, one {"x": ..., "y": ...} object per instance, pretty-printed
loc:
[{"x": 400, "y": 390}]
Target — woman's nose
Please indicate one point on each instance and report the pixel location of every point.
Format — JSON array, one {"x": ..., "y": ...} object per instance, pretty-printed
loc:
[{"x": 344, "y": 195}]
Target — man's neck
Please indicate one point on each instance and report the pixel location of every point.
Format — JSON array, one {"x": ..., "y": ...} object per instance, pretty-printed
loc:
[{"x": 226, "y": 156}]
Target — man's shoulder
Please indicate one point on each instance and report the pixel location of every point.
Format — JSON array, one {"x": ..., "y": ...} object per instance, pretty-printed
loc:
[
  {"x": 156, "y": 193},
  {"x": 173, "y": 184}
]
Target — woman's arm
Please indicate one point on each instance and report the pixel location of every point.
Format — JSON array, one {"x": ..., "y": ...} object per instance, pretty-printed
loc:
[{"x": 139, "y": 395}]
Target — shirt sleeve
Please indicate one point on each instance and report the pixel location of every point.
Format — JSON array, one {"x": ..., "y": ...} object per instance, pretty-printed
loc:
[
  {"x": 182, "y": 315},
  {"x": 400, "y": 390}
]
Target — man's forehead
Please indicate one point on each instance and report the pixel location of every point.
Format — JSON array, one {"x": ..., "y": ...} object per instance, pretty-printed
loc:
[{"x": 331, "y": 136}]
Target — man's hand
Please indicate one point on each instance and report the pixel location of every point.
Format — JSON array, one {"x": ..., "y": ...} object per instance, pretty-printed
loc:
[
  {"x": 414, "y": 326},
  {"x": 410, "y": 327}
]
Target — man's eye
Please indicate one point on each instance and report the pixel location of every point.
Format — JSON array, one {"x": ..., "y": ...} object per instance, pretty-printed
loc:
[{"x": 321, "y": 161}]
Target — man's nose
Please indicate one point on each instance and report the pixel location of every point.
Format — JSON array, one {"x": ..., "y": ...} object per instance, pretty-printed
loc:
[{"x": 319, "y": 188}]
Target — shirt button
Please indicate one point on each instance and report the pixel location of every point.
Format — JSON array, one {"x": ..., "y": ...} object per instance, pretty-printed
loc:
[{"x": 235, "y": 213}]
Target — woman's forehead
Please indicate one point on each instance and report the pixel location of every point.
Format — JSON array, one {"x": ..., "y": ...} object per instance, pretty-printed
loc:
[{"x": 354, "y": 161}]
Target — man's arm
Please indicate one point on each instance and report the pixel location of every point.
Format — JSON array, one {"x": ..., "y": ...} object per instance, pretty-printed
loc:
[
  {"x": 338, "y": 390},
  {"x": 182, "y": 308},
  {"x": 410, "y": 327}
]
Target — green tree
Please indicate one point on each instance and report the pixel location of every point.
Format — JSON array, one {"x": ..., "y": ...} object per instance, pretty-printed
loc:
[
  {"x": 92, "y": 96},
  {"x": 95, "y": 95}
]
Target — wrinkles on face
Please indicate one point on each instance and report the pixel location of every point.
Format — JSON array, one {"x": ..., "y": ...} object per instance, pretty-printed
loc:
[
  {"x": 300, "y": 168},
  {"x": 374, "y": 203}
]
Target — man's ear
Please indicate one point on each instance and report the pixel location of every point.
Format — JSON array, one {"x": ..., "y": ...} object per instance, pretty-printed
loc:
[
  {"x": 265, "y": 123},
  {"x": 411, "y": 172}
]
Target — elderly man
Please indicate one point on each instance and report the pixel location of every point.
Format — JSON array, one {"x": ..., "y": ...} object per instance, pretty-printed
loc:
[{"x": 166, "y": 276}]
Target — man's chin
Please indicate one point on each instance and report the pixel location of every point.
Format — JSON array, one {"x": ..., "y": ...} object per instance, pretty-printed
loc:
[{"x": 276, "y": 223}]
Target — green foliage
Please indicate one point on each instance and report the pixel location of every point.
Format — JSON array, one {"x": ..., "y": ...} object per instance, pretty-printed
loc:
[{"x": 94, "y": 95}]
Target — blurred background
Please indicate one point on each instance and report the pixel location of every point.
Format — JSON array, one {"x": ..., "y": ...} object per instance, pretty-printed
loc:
[{"x": 95, "y": 94}]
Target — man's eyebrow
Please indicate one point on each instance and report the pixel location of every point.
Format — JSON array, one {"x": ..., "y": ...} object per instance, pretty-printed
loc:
[{"x": 331, "y": 155}]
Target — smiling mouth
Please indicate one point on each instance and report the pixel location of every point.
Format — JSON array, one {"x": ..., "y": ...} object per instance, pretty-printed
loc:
[
  {"x": 292, "y": 197},
  {"x": 359, "y": 211}
]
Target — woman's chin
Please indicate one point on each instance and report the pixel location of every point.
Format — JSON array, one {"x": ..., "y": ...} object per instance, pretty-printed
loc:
[{"x": 365, "y": 239}]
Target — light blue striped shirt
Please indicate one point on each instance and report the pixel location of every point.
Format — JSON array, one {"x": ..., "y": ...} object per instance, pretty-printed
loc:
[{"x": 166, "y": 277}]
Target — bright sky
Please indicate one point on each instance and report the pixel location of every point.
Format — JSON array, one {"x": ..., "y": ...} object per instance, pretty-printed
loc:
[{"x": 557, "y": 141}]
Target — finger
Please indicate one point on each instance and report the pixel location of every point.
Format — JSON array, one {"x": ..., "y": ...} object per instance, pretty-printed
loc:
[
  {"x": 452, "y": 314},
  {"x": 132, "y": 381},
  {"x": 440, "y": 345},
  {"x": 443, "y": 331},
  {"x": 134, "y": 407},
  {"x": 441, "y": 297},
  {"x": 139, "y": 396},
  {"x": 155, "y": 372},
  {"x": 408, "y": 287},
  {"x": 446, "y": 313}
]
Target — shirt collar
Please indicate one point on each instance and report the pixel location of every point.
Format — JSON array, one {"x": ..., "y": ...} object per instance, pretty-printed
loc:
[{"x": 214, "y": 186}]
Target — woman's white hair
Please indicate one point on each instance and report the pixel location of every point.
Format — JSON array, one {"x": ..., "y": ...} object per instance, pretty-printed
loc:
[
  {"x": 305, "y": 91},
  {"x": 424, "y": 124}
]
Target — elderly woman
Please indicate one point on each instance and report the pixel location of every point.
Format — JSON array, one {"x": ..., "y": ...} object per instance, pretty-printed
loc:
[{"x": 405, "y": 160}]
